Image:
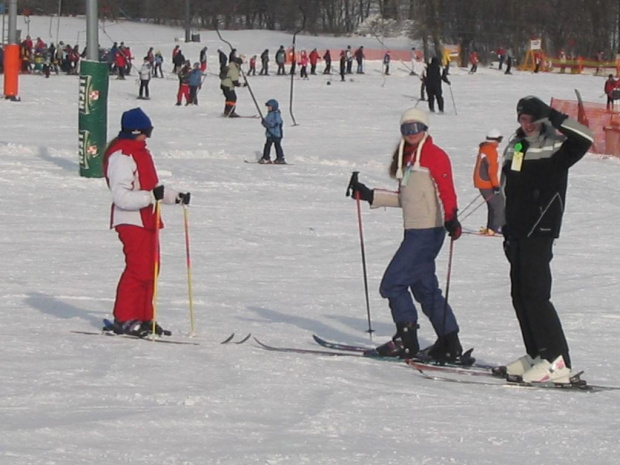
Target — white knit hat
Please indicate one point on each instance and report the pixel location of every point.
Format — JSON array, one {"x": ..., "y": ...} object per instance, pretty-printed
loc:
[
  {"x": 413, "y": 114},
  {"x": 409, "y": 116}
]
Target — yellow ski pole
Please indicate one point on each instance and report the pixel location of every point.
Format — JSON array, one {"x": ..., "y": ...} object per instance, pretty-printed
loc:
[
  {"x": 189, "y": 270},
  {"x": 156, "y": 265}
]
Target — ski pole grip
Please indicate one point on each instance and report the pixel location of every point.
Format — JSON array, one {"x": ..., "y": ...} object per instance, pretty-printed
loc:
[{"x": 353, "y": 180}]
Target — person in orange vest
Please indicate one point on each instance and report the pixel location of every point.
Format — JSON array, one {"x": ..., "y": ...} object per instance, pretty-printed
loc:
[{"x": 486, "y": 180}]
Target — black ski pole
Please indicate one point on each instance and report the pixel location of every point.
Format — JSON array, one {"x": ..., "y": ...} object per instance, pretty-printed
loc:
[
  {"x": 453, "y": 103},
  {"x": 290, "y": 106},
  {"x": 445, "y": 305},
  {"x": 352, "y": 181},
  {"x": 247, "y": 83}
]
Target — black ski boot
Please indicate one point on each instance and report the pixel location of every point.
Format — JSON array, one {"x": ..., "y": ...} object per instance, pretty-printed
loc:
[
  {"x": 147, "y": 326},
  {"x": 447, "y": 349},
  {"x": 404, "y": 344},
  {"x": 129, "y": 327}
]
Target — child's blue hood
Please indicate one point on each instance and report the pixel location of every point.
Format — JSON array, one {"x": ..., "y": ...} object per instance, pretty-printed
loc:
[{"x": 273, "y": 103}]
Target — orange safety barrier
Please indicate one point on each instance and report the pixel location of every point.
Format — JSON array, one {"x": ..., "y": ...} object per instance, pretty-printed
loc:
[
  {"x": 605, "y": 124},
  {"x": 12, "y": 64}
]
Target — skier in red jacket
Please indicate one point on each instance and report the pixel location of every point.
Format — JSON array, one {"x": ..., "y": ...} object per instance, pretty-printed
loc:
[{"x": 132, "y": 178}]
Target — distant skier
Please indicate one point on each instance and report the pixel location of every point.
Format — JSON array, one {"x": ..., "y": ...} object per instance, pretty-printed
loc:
[
  {"x": 145, "y": 79},
  {"x": 433, "y": 78},
  {"x": 280, "y": 60},
  {"x": 228, "y": 84},
  {"x": 486, "y": 180},
  {"x": 273, "y": 132},
  {"x": 327, "y": 56},
  {"x": 386, "y": 63}
]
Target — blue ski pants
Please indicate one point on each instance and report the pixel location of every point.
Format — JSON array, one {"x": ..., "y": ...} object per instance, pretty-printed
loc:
[{"x": 413, "y": 268}]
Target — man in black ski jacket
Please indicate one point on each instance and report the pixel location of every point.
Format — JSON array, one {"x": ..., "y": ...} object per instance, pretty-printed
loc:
[
  {"x": 432, "y": 79},
  {"x": 534, "y": 181}
]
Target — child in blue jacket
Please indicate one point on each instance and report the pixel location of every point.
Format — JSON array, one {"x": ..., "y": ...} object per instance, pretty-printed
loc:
[{"x": 273, "y": 125}]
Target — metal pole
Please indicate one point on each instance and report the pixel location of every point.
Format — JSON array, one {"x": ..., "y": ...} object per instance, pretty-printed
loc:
[
  {"x": 92, "y": 32},
  {"x": 187, "y": 22},
  {"x": 12, "y": 22}
]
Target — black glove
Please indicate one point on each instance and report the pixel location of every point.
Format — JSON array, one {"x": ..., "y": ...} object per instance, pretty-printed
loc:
[
  {"x": 363, "y": 191},
  {"x": 557, "y": 118},
  {"x": 158, "y": 193},
  {"x": 264, "y": 123},
  {"x": 496, "y": 190},
  {"x": 453, "y": 227},
  {"x": 183, "y": 197}
]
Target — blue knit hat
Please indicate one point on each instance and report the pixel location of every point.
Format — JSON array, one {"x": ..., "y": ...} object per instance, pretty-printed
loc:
[{"x": 133, "y": 123}]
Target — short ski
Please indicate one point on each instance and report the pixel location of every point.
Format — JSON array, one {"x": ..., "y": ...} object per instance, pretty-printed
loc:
[
  {"x": 363, "y": 349},
  {"x": 255, "y": 162},
  {"x": 327, "y": 353},
  {"x": 241, "y": 116},
  {"x": 128, "y": 336},
  {"x": 241, "y": 341},
  {"x": 482, "y": 234}
]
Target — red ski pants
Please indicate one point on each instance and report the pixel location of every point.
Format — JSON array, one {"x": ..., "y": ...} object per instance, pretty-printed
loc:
[
  {"x": 134, "y": 294},
  {"x": 183, "y": 92}
]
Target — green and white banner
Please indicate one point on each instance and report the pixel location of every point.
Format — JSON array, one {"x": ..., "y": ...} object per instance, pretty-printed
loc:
[{"x": 93, "y": 117}]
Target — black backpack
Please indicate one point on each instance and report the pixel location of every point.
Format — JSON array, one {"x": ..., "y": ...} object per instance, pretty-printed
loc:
[{"x": 223, "y": 72}]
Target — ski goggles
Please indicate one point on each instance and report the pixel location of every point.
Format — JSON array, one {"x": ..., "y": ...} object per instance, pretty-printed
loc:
[{"x": 413, "y": 128}]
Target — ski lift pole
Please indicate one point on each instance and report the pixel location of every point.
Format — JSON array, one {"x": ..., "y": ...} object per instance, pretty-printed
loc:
[
  {"x": 290, "y": 106},
  {"x": 352, "y": 181},
  {"x": 247, "y": 83}
]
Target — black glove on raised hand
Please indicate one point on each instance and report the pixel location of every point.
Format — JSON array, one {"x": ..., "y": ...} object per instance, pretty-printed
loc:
[
  {"x": 453, "y": 227},
  {"x": 556, "y": 118},
  {"x": 158, "y": 193},
  {"x": 363, "y": 191},
  {"x": 183, "y": 197}
]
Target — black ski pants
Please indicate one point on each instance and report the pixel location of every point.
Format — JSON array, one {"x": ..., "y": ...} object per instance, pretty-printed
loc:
[
  {"x": 434, "y": 92},
  {"x": 530, "y": 279}
]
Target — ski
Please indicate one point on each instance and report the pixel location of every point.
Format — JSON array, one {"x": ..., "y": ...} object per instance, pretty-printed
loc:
[
  {"x": 420, "y": 360},
  {"x": 230, "y": 338},
  {"x": 580, "y": 385},
  {"x": 255, "y": 162},
  {"x": 241, "y": 116},
  {"x": 128, "y": 336},
  {"x": 326, "y": 353},
  {"x": 482, "y": 234}
]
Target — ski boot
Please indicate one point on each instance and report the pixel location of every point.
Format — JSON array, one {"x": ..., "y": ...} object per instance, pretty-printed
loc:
[
  {"x": 404, "y": 344},
  {"x": 147, "y": 326},
  {"x": 129, "y": 327},
  {"x": 447, "y": 349}
]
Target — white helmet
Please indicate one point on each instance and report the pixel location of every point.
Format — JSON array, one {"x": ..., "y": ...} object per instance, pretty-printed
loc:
[{"x": 494, "y": 134}]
